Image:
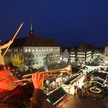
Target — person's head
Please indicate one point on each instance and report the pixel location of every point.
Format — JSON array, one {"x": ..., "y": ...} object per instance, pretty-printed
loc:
[{"x": 7, "y": 80}]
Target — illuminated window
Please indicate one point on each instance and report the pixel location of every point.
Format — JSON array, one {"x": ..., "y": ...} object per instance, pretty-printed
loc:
[
  {"x": 25, "y": 50},
  {"x": 39, "y": 49},
  {"x": 16, "y": 50},
  {"x": 10, "y": 50},
  {"x": 32, "y": 50},
  {"x": 29, "y": 50},
  {"x": 11, "y": 55},
  {"x": 15, "y": 56}
]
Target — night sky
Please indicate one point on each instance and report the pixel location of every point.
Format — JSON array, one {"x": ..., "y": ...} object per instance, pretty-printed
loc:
[{"x": 68, "y": 22}]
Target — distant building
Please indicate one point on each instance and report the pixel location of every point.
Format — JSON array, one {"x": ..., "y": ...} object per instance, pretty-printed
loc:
[
  {"x": 33, "y": 51},
  {"x": 106, "y": 54},
  {"x": 81, "y": 54},
  {"x": 66, "y": 55}
]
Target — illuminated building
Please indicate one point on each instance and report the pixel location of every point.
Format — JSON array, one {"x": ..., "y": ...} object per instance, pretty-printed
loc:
[
  {"x": 81, "y": 54},
  {"x": 66, "y": 55},
  {"x": 106, "y": 54},
  {"x": 33, "y": 51}
]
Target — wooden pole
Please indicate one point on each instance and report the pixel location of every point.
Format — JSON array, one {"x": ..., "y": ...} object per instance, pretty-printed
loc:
[{"x": 14, "y": 37}]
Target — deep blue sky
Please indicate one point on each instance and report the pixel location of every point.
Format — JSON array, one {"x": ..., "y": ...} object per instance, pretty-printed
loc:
[{"x": 68, "y": 22}]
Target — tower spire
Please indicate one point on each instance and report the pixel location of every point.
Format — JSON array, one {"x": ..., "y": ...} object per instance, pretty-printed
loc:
[{"x": 31, "y": 29}]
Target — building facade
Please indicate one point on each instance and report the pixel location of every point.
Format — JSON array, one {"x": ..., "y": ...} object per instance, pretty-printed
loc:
[
  {"x": 81, "y": 54},
  {"x": 106, "y": 54},
  {"x": 32, "y": 51}
]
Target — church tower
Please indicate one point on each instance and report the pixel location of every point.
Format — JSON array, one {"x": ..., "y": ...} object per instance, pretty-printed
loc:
[{"x": 32, "y": 34}]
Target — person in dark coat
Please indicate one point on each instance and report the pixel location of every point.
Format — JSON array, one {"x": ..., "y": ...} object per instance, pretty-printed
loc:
[{"x": 14, "y": 95}]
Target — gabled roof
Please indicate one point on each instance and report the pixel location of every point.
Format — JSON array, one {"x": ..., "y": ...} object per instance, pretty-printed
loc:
[{"x": 33, "y": 41}]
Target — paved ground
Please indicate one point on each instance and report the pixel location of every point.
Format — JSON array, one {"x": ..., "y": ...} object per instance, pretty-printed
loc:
[{"x": 78, "y": 102}]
